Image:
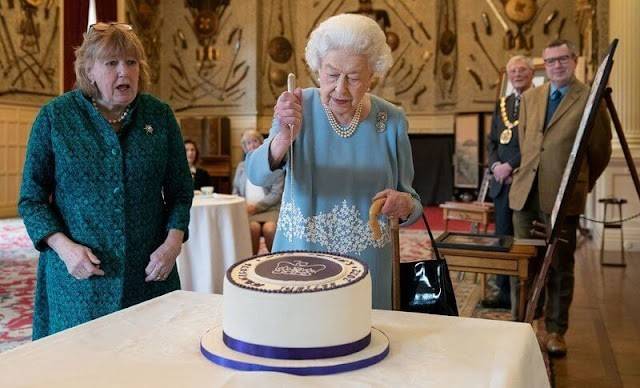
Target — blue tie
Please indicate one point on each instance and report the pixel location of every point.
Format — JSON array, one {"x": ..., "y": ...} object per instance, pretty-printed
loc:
[{"x": 554, "y": 101}]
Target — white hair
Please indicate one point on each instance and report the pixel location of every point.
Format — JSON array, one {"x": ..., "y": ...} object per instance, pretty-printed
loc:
[
  {"x": 356, "y": 33},
  {"x": 520, "y": 58}
]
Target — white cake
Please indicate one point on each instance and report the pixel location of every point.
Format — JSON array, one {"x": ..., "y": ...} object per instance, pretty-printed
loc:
[{"x": 298, "y": 300}]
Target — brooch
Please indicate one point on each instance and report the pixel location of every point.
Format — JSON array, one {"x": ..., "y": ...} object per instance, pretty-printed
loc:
[
  {"x": 148, "y": 129},
  {"x": 381, "y": 122}
]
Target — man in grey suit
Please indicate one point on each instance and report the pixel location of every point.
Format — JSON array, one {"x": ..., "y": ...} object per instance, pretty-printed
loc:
[
  {"x": 549, "y": 119},
  {"x": 504, "y": 155}
]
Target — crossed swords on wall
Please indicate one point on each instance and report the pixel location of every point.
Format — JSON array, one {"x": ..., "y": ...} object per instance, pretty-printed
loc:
[
  {"x": 212, "y": 79},
  {"x": 23, "y": 71}
]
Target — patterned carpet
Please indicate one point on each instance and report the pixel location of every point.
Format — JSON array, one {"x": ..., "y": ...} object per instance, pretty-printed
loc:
[{"x": 18, "y": 260}]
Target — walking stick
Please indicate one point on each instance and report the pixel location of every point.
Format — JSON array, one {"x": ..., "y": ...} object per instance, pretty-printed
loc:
[{"x": 376, "y": 233}]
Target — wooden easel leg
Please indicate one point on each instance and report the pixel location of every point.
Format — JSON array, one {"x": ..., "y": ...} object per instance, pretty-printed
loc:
[{"x": 541, "y": 280}]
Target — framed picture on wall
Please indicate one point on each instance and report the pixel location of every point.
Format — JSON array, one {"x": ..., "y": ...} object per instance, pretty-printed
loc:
[{"x": 466, "y": 172}]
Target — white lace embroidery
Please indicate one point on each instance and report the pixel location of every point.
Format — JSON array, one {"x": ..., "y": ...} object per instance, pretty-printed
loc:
[{"x": 341, "y": 230}]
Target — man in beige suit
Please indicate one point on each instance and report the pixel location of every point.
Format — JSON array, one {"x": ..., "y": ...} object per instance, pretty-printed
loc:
[{"x": 549, "y": 119}]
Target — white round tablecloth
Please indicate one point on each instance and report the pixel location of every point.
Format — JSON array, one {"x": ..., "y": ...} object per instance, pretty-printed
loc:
[{"x": 218, "y": 237}]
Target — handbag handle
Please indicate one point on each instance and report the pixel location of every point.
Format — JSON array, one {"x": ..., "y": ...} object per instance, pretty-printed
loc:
[{"x": 433, "y": 241}]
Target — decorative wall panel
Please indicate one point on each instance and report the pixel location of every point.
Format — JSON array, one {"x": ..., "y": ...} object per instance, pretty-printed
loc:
[
  {"x": 447, "y": 54},
  {"x": 29, "y": 50},
  {"x": 208, "y": 56}
]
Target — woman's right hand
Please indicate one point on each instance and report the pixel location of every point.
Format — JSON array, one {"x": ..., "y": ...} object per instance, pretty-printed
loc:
[
  {"x": 251, "y": 208},
  {"x": 80, "y": 261},
  {"x": 288, "y": 111}
]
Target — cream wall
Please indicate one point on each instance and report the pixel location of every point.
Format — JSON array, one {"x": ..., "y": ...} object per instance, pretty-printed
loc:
[
  {"x": 624, "y": 24},
  {"x": 15, "y": 123}
]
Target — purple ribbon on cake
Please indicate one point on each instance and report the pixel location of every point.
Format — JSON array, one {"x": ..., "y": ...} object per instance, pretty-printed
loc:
[
  {"x": 296, "y": 353},
  {"x": 300, "y": 371}
]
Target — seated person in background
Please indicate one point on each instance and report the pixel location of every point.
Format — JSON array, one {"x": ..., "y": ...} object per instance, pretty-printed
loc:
[
  {"x": 200, "y": 176},
  {"x": 263, "y": 203}
]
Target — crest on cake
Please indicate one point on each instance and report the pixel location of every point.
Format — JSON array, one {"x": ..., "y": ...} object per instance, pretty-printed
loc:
[{"x": 298, "y": 268}]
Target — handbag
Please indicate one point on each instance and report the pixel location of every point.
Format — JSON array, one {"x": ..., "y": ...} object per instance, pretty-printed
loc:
[{"x": 426, "y": 285}]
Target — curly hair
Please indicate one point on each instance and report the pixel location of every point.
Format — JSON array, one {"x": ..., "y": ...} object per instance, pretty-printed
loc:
[{"x": 356, "y": 33}]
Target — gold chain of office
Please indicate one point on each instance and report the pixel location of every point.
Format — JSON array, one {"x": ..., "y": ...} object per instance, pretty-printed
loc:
[{"x": 505, "y": 117}]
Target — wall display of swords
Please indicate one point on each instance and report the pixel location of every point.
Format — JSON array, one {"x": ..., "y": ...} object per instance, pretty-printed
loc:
[
  {"x": 447, "y": 54},
  {"x": 144, "y": 15},
  {"x": 408, "y": 34},
  {"x": 29, "y": 50},
  {"x": 208, "y": 56},
  {"x": 278, "y": 55},
  {"x": 499, "y": 29}
]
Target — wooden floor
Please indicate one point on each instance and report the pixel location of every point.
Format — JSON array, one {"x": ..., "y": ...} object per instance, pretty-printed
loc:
[{"x": 604, "y": 327}]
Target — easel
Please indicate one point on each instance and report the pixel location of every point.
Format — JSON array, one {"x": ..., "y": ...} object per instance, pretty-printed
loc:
[{"x": 554, "y": 234}]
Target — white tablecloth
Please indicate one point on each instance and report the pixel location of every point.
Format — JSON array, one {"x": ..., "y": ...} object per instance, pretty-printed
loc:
[
  {"x": 218, "y": 237},
  {"x": 156, "y": 344}
]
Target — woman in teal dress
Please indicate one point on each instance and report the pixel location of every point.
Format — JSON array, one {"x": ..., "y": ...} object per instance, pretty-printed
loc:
[
  {"x": 106, "y": 188},
  {"x": 345, "y": 148}
]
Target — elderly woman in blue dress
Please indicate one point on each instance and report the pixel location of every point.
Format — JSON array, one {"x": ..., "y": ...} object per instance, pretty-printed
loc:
[
  {"x": 341, "y": 148},
  {"x": 106, "y": 188}
]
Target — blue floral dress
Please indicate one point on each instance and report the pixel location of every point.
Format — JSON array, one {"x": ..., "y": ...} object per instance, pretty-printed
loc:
[{"x": 330, "y": 182}]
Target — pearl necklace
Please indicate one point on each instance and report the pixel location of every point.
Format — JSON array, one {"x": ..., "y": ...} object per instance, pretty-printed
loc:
[
  {"x": 123, "y": 115},
  {"x": 349, "y": 130}
]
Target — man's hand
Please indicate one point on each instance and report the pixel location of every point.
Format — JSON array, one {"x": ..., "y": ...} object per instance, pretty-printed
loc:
[{"x": 502, "y": 171}]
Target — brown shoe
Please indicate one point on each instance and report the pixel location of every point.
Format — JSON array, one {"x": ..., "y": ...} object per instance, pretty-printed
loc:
[{"x": 556, "y": 345}]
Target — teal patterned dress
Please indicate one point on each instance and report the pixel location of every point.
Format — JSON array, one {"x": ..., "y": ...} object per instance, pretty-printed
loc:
[{"x": 118, "y": 194}]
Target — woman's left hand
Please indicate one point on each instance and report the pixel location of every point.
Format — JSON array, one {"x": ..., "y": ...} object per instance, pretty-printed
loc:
[
  {"x": 397, "y": 204},
  {"x": 163, "y": 259}
]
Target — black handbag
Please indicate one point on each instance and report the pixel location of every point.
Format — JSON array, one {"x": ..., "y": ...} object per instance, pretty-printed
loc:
[{"x": 426, "y": 285}]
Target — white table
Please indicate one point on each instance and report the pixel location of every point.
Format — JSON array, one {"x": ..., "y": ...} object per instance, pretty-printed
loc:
[
  {"x": 156, "y": 344},
  {"x": 218, "y": 237}
]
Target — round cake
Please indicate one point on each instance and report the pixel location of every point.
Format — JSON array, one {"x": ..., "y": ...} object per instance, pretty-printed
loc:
[{"x": 297, "y": 305}]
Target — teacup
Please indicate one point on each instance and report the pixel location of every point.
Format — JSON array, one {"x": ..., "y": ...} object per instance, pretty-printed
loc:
[{"x": 207, "y": 190}]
